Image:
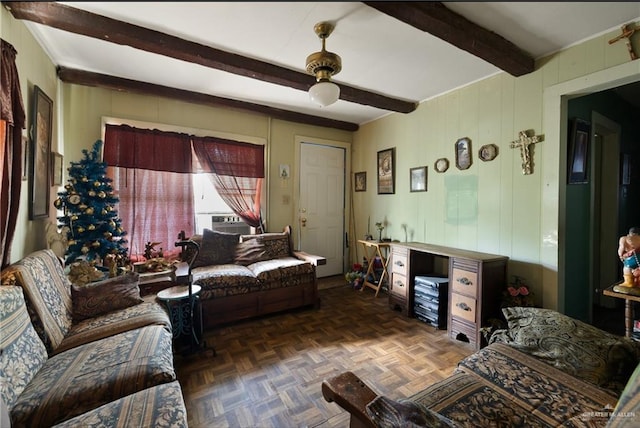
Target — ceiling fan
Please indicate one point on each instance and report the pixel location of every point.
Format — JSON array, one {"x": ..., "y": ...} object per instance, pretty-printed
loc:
[{"x": 323, "y": 65}]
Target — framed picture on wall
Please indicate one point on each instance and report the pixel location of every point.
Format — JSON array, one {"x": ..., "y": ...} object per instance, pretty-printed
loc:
[
  {"x": 463, "y": 153},
  {"x": 386, "y": 171},
  {"x": 361, "y": 181},
  {"x": 40, "y": 176},
  {"x": 579, "y": 151},
  {"x": 418, "y": 179}
]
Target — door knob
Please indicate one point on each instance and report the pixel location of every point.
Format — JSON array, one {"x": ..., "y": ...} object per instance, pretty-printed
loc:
[{"x": 303, "y": 220}]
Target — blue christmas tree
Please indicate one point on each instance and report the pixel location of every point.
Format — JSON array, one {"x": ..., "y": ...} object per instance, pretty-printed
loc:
[{"x": 88, "y": 203}]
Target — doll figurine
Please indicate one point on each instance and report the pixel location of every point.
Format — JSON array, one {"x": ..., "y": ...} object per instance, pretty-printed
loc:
[{"x": 628, "y": 248}]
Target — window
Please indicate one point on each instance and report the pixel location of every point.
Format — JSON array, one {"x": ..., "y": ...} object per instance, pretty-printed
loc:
[{"x": 161, "y": 192}]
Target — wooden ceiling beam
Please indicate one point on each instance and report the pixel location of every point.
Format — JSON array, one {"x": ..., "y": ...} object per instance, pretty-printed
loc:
[
  {"x": 87, "y": 78},
  {"x": 436, "y": 19},
  {"x": 78, "y": 21}
]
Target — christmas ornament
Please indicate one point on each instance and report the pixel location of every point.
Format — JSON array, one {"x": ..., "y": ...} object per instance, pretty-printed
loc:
[
  {"x": 89, "y": 211},
  {"x": 91, "y": 227},
  {"x": 92, "y": 193}
]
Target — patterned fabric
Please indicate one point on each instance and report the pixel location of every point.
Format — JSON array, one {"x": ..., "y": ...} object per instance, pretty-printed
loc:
[
  {"x": 48, "y": 293},
  {"x": 224, "y": 280},
  {"x": 101, "y": 297},
  {"x": 94, "y": 374},
  {"x": 148, "y": 313},
  {"x": 387, "y": 413},
  {"x": 276, "y": 244},
  {"x": 627, "y": 412},
  {"x": 248, "y": 252},
  {"x": 160, "y": 406},
  {"x": 217, "y": 248},
  {"x": 575, "y": 347},
  {"x": 23, "y": 353},
  {"x": 500, "y": 386}
]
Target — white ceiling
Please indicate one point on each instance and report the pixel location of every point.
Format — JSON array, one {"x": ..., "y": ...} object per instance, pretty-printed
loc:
[{"x": 379, "y": 53}]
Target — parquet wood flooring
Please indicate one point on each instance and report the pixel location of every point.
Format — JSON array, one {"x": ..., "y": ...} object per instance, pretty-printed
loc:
[{"x": 268, "y": 371}]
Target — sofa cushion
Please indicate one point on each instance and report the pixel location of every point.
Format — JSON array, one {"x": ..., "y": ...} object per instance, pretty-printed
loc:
[
  {"x": 626, "y": 412},
  {"x": 159, "y": 406},
  {"x": 225, "y": 280},
  {"x": 150, "y": 312},
  {"x": 94, "y": 374},
  {"x": 580, "y": 349},
  {"x": 276, "y": 245},
  {"x": 101, "y": 297},
  {"x": 22, "y": 352},
  {"x": 388, "y": 413},
  {"x": 248, "y": 252},
  {"x": 48, "y": 293},
  {"x": 217, "y": 248}
]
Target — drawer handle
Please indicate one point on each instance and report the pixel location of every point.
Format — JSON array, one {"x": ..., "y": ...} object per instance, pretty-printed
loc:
[
  {"x": 399, "y": 263},
  {"x": 399, "y": 283},
  {"x": 463, "y": 306},
  {"x": 465, "y": 281}
]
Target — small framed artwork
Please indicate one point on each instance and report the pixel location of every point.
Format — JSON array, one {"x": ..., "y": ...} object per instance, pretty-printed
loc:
[
  {"x": 441, "y": 165},
  {"x": 488, "y": 152},
  {"x": 418, "y": 179},
  {"x": 386, "y": 171},
  {"x": 25, "y": 157},
  {"x": 56, "y": 161},
  {"x": 625, "y": 177},
  {"x": 579, "y": 152},
  {"x": 463, "y": 153},
  {"x": 361, "y": 181},
  {"x": 40, "y": 176}
]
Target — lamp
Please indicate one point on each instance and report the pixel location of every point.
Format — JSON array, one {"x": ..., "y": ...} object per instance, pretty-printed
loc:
[{"x": 323, "y": 65}]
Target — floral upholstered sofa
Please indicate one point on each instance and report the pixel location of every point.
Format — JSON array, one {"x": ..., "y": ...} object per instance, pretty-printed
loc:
[
  {"x": 544, "y": 370},
  {"x": 95, "y": 356},
  {"x": 244, "y": 276}
]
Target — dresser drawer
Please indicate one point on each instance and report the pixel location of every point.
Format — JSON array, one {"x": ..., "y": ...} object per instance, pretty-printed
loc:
[
  {"x": 399, "y": 285},
  {"x": 399, "y": 262},
  {"x": 464, "y": 282},
  {"x": 463, "y": 307}
]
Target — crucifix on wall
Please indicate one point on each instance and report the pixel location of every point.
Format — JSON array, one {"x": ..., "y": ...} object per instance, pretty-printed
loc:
[
  {"x": 524, "y": 142},
  {"x": 627, "y": 31}
]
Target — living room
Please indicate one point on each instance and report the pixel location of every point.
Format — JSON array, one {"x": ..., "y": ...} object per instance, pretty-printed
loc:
[{"x": 490, "y": 207}]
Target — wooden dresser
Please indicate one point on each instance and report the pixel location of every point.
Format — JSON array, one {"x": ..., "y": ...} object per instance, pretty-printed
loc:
[{"x": 476, "y": 283}]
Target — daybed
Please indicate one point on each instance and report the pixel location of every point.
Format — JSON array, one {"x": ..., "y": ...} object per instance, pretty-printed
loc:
[
  {"x": 244, "y": 276},
  {"x": 544, "y": 370},
  {"x": 90, "y": 356}
]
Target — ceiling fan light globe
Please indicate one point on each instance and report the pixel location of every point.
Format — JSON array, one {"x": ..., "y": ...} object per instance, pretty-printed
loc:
[{"x": 324, "y": 93}]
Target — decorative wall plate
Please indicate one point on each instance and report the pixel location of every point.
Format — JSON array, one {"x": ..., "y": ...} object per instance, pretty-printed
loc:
[
  {"x": 441, "y": 165},
  {"x": 488, "y": 152}
]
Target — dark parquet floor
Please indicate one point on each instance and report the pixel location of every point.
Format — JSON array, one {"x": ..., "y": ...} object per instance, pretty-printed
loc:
[{"x": 268, "y": 371}]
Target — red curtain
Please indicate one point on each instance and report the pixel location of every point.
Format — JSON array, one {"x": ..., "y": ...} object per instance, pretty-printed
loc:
[
  {"x": 149, "y": 170},
  {"x": 154, "y": 207},
  {"x": 129, "y": 147},
  {"x": 238, "y": 173},
  {"x": 12, "y": 121}
]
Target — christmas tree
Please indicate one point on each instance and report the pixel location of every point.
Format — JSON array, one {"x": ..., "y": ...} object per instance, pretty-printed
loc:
[{"x": 88, "y": 203}]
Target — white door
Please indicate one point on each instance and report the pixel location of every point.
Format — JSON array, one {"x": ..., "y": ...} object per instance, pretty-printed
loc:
[{"x": 321, "y": 212}]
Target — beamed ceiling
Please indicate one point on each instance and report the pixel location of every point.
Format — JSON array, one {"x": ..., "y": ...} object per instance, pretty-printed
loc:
[{"x": 251, "y": 56}]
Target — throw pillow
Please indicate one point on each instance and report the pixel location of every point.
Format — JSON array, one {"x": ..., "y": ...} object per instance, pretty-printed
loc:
[
  {"x": 249, "y": 252},
  {"x": 217, "y": 248},
  {"x": 97, "y": 298},
  {"x": 575, "y": 347},
  {"x": 388, "y": 413}
]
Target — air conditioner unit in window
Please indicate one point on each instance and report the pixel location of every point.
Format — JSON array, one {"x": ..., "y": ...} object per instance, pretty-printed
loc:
[{"x": 228, "y": 224}]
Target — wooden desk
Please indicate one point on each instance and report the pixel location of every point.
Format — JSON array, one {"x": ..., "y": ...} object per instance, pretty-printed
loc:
[
  {"x": 371, "y": 250},
  {"x": 476, "y": 283},
  {"x": 628, "y": 307}
]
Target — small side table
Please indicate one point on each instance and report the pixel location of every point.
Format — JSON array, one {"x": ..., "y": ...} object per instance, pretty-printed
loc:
[
  {"x": 628, "y": 307},
  {"x": 371, "y": 250},
  {"x": 185, "y": 315},
  {"x": 154, "y": 282}
]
